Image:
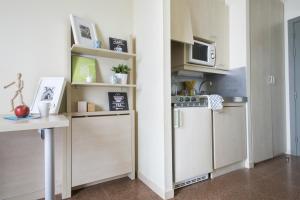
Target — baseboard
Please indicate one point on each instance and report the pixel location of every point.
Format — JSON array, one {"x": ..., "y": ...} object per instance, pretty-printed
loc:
[
  {"x": 155, "y": 188},
  {"x": 100, "y": 181},
  {"x": 227, "y": 169}
]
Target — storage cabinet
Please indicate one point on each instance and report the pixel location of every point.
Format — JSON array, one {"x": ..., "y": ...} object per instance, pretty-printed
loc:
[
  {"x": 102, "y": 147},
  {"x": 205, "y": 20},
  {"x": 229, "y": 136},
  {"x": 181, "y": 25},
  {"x": 220, "y": 32},
  {"x": 267, "y": 78}
]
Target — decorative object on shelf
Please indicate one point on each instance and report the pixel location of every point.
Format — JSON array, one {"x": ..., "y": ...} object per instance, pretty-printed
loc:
[
  {"x": 190, "y": 87},
  {"x": 20, "y": 86},
  {"x": 22, "y": 111},
  {"x": 84, "y": 31},
  {"x": 91, "y": 107},
  {"x": 113, "y": 79},
  {"x": 83, "y": 69},
  {"x": 15, "y": 118},
  {"x": 121, "y": 73},
  {"x": 117, "y": 101},
  {"x": 118, "y": 45},
  {"x": 50, "y": 90},
  {"x": 44, "y": 108},
  {"x": 97, "y": 44},
  {"x": 82, "y": 106}
]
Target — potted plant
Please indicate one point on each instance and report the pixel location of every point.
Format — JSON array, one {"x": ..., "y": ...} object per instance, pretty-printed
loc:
[{"x": 121, "y": 73}]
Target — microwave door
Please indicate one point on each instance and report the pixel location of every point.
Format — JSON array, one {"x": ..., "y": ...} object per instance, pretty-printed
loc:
[{"x": 200, "y": 52}]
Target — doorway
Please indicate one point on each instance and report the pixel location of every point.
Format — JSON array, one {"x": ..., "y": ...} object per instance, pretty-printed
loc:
[{"x": 294, "y": 74}]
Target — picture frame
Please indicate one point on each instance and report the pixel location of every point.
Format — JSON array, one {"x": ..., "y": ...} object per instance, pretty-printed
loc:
[
  {"x": 116, "y": 44},
  {"x": 84, "y": 31},
  {"x": 51, "y": 90},
  {"x": 118, "y": 101}
]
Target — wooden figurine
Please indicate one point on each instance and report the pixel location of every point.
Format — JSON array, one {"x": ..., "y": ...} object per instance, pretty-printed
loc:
[{"x": 20, "y": 85}]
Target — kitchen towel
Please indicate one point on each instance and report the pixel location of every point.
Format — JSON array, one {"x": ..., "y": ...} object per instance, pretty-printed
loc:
[{"x": 215, "y": 102}]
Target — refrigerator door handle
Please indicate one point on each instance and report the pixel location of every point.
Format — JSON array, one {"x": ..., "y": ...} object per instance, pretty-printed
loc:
[
  {"x": 176, "y": 118},
  {"x": 180, "y": 115}
]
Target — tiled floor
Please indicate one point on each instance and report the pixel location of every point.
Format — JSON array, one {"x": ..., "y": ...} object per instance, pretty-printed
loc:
[{"x": 274, "y": 179}]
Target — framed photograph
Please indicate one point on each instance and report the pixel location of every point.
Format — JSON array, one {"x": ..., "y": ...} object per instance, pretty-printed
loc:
[
  {"x": 84, "y": 31},
  {"x": 50, "y": 89},
  {"x": 118, "y": 45},
  {"x": 118, "y": 101}
]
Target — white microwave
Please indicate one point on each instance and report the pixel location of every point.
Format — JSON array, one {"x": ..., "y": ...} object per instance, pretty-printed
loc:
[{"x": 202, "y": 53}]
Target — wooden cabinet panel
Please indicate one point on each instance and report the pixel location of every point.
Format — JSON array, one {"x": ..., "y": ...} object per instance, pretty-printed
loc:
[
  {"x": 220, "y": 32},
  {"x": 201, "y": 17},
  {"x": 181, "y": 26},
  {"x": 101, "y": 148},
  {"x": 229, "y": 134}
]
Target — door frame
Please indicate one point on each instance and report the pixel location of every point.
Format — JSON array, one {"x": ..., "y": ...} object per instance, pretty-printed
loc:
[{"x": 291, "y": 58}]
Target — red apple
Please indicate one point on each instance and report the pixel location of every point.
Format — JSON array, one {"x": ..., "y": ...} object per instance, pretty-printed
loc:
[{"x": 22, "y": 111}]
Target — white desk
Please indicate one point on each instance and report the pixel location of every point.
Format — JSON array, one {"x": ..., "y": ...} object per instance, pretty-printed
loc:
[{"x": 46, "y": 125}]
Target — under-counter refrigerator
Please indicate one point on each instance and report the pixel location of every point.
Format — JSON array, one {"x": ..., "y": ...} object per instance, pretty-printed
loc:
[{"x": 192, "y": 144}]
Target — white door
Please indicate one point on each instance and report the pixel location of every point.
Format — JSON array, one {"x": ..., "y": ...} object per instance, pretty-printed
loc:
[{"x": 192, "y": 142}]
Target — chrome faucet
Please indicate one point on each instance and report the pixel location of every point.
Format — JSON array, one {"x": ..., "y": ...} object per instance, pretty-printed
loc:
[{"x": 202, "y": 83}]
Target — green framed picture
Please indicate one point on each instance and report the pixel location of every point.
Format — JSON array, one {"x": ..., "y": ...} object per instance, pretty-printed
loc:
[{"x": 83, "y": 69}]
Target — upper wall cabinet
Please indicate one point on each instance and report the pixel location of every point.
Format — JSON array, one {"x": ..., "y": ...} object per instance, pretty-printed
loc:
[
  {"x": 204, "y": 19},
  {"x": 181, "y": 25},
  {"x": 201, "y": 17}
]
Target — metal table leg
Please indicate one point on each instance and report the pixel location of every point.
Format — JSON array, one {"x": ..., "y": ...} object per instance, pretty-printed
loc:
[{"x": 48, "y": 136}]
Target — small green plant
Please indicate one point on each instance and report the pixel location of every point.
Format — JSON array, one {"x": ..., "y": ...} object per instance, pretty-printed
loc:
[{"x": 121, "y": 69}]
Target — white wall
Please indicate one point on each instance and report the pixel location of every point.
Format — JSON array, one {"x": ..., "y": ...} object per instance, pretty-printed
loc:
[
  {"x": 291, "y": 10},
  {"x": 35, "y": 40},
  {"x": 152, "y": 27}
]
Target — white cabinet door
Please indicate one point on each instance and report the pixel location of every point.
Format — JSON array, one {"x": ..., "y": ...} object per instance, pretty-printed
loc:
[
  {"x": 192, "y": 142},
  {"x": 181, "y": 26},
  {"x": 220, "y": 32},
  {"x": 229, "y": 131},
  {"x": 201, "y": 15},
  {"x": 101, "y": 148},
  {"x": 261, "y": 110}
]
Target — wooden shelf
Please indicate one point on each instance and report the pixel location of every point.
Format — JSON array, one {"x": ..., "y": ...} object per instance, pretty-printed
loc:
[
  {"x": 199, "y": 68},
  {"x": 101, "y": 52},
  {"x": 102, "y": 85},
  {"x": 100, "y": 113}
]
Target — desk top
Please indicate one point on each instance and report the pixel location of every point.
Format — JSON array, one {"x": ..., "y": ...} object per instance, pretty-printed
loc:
[{"x": 53, "y": 121}]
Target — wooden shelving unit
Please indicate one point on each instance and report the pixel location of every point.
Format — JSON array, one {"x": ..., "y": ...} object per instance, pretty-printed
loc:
[
  {"x": 102, "y": 85},
  {"x": 85, "y": 151},
  {"x": 106, "y": 53},
  {"x": 101, "y": 113}
]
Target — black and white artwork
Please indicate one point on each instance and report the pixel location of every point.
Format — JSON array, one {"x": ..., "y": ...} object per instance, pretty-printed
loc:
[
  {"x": 118, "y": 45},
  {"x": 50, "y": 89},
  {"x": 48, "y": 94},
  {"x": 118, "y": 101},
  {"x": 84, "y": 31}
]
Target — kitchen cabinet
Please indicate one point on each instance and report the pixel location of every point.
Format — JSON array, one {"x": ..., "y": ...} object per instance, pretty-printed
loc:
[
  {"x": 267, "y": 78},
  {"x": 181, "y": 25},
  {"x": 229, "y": 136},
  {"x": 102, "y": 147},
  {"x": 220, "y": 33},
  {"x": 201, "y": 18},
  {"x": 210, "y": 21}
]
